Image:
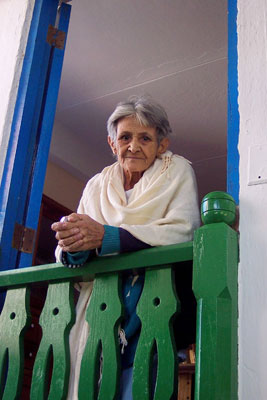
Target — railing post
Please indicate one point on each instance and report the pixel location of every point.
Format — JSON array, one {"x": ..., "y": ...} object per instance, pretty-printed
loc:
[{"x": 215, "y": 288}]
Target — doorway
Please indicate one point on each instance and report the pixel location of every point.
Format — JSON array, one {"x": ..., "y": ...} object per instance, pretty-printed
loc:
[{"x": 175, "y": 51}]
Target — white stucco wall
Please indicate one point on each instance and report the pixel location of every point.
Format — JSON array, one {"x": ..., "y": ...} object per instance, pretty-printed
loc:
[
  {"x": 15, "y": 18},
  {"x": 252, "y": 71}
]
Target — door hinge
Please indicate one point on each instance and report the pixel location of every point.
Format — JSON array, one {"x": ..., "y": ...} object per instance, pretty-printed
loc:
[
  {"x": 55, "y": 37},
  {"x": 23, "y": 238}
]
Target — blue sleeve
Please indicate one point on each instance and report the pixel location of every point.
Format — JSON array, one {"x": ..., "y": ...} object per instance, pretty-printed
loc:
[
  {"x": 115, "y": 240},
  {"x": 76, "y": 259},
  {"x": 111, "y": 241}
]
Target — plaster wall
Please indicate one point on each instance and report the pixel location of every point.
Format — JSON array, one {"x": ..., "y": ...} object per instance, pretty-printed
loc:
[
  {"x": 252, "y": 77},
  {"x": 15, "y": 18}
]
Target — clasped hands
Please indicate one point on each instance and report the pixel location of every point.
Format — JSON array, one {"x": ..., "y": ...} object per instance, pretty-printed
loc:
[{"x": 78, "y": 232}]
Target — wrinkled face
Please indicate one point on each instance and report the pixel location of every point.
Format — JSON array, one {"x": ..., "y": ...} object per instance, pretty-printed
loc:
[{"x": 136, "y": 145}]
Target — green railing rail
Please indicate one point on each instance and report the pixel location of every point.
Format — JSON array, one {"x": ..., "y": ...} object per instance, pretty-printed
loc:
[{"x": 215, "y": 256}]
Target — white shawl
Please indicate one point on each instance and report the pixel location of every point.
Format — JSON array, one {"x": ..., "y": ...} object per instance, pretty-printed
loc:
[{"x": 162, "y": 209}]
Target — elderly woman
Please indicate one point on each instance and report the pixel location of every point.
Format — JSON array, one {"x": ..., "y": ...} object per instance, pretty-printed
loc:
[{"x": 148, "y": 197}]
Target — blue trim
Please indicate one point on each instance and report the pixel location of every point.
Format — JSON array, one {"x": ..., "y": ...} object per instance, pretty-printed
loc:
[
  {"x": 18, "y": 148},
  {"x": 45, "y": 128},
  {"x": 25, "y": 133},
  {"x": 233, "y": 112}
]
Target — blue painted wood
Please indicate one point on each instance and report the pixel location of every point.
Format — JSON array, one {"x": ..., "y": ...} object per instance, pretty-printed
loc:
[
  {"x": 233, "y": 113},
  {"x": 24, "y": 125},
  {"x": 44, "y": 133},
  {"x": 18, "y": 177}
]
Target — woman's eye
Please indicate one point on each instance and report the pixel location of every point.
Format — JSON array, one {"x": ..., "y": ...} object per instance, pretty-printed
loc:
[
  {"x": 124, "y": 138},
  {"x": 146, "y": 138}
]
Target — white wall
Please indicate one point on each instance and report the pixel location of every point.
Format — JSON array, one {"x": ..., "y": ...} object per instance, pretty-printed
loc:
[
  {"x": 252, "y": 70},
  {"x": 15, "y": 18}
]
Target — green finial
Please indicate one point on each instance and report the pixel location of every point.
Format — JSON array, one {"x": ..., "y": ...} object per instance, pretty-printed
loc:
[{"x": 218, "y": 207}]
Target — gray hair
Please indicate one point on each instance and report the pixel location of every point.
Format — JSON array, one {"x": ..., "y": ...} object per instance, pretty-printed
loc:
[{"x": 146, "y": 111}]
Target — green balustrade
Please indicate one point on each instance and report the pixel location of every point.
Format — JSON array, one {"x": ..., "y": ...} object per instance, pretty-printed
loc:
[
  {"x": 56, "y": 320},
  {"x": 156, "y": 308},
  {"x": 103, "y": 316},
  {"x": 215, "y": 256},
  {"x": 14, "y": 320},
  {"x": 215, "y": 288}
]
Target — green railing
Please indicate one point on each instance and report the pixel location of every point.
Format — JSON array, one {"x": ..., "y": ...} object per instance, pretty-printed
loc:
[{"x": 215, "y": 257}]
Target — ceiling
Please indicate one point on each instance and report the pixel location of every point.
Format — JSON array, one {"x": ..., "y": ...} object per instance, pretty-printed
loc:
[{"x": 173, "y": 50}]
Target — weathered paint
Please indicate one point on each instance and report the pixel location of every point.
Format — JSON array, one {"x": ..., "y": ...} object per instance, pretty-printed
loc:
[
  {"x": 28, "y": 148},
  {"x": 19, "y": 157},
  {"x": 46, "y": 121},
  {"x": 15, "y": 18}
]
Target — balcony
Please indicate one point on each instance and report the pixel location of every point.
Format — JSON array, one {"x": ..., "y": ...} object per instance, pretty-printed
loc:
[{"x": 214, "y": 253}]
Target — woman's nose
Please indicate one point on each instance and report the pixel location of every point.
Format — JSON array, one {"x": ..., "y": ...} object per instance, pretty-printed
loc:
[{"x": 134, "y": 146}]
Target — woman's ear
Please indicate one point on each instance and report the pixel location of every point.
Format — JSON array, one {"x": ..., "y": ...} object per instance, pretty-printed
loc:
[
  {"x": 112, "y": 145},
  {"x": 164, "y": 144}
]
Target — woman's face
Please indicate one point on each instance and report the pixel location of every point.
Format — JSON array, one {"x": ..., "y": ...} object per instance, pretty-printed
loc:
[{"x": 136, "y": 145}]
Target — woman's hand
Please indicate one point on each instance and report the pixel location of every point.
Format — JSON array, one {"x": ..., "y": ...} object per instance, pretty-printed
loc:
[{"x": 78, "y": 232}]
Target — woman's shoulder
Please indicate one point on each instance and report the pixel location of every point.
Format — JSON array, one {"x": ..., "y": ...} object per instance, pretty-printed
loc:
[
  {"x": 180, "y": 160},
  {"x": 176, "y": 163},
  {"x": 97, "y": 180}
]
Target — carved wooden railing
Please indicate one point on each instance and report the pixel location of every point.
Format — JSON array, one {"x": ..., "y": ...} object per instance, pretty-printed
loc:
[{"x": 215, "y": 257}]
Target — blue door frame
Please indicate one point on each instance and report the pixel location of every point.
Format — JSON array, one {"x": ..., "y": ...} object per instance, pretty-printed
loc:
[
  {"x": 28, "y": 148},
  {"x": 233, "y": 113},
  {"x": 25, "y": 166}
]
